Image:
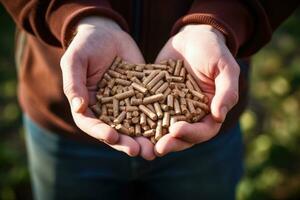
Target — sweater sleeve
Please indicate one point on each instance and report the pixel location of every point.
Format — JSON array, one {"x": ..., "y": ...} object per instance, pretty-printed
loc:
[
  {"x": 247, "y": 25},
  {"x": 53, "y": 21}
]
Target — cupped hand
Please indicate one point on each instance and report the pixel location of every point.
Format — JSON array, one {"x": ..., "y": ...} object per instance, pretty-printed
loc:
[
  {"x": 206, "y": 56},
  {"x": 97, "y": 42}
]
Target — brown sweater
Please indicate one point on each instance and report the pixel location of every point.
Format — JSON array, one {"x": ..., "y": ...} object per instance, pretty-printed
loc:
[{"x": 47, "y": 26}]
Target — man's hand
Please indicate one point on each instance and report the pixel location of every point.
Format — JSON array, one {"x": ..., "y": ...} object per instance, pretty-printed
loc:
[
  {"x": 207, "y": 58},
  {"x": 97, "y": 42}
]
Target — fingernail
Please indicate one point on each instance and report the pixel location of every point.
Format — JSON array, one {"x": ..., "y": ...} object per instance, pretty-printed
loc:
[
  {"x": 223, "y": 112},
  {"x": 76, "y": 103}
]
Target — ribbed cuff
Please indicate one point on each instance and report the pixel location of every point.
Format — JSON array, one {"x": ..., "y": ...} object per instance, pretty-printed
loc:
[
  {"x": 231, "y": 38},
  {"x": 71, "y": 21}
]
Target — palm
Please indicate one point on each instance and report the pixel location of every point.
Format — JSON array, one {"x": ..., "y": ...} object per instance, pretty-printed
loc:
[
  {"x": 207, "y": 58},
  {"x": 90, "y": 53}
]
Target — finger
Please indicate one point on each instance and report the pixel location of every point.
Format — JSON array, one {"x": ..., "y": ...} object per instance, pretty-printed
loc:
[
  {"x": 195, "y": 132},
  {"x": 74, "y": 78},
  {"x": 226, "y": 94},
  {"x": 94, "y": 127},
  {"x": 130, "y": 52},
  {"x": 168, "y": 52},
  {"x": 103, "y": 132},
  {"x": 127, "y": 145},
  {"x": 168, "y": 144},
  {"x": 146, "y": 148}
]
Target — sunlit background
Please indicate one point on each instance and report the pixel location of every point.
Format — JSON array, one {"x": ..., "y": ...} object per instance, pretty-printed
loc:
[{"x": 271, "y": 123}]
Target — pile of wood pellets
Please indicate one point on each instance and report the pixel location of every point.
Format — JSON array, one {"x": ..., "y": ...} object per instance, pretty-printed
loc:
[{"x": 146, "y": 99}]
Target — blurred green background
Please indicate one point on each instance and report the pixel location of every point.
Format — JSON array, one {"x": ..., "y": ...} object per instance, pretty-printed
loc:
[{"x": 271, "y": 123}]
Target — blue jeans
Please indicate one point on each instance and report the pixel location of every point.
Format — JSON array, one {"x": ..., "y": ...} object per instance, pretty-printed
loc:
[{"x": 62, "y": 168}]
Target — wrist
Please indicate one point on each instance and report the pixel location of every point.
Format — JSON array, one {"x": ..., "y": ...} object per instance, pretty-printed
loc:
[
  {"x": 94, "y": 22},
  {"x": 204, "y": 28}
]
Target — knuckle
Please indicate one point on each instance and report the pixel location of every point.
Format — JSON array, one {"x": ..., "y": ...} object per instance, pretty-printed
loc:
[
  {"x": 69, "y": 88},
  {"x": 234, "y": 97},
  {"x": 110, "y": 137},
  {"x": 69, "y": 59}
]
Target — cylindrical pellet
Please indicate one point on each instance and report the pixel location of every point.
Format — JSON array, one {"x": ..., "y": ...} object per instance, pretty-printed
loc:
[
  {"x": 120, "y": 118},
  {"x": 111, "y": 83},
  {"x": 135, "y": 113},
  {"x": 123, "y": 129},
  {"x": 143, "y": 119},
  {"x": 164, "y": 107},
  {"x": 139, "y": 95},
  {"x": 158, "y": 130},
  {"x": 156, "y": 86},
  {"x": 153, "y": 98},
  {"x": 162, "y": 88},
  {"x": 184, "y": 109},
  {"x": 171, "y": 63},
  {"x": 105, "y": 119},
  {"x": 170, "y": 101},
  {"x": 96, "y": 109},
  {"x": 182, "y": 101},
  {"x": 178, "y": 67},
  {"x": 193, "y": 82},
  {"x": 158, "y": 66},
  {"x": 121, "y": 71},
  {"x": 128, "y": 115},
  {"x": 182, "y": 72},
  {"x": 158, "y": 110},
  {"x": 166, "y": 120},
  {"x": 146, "y": 127},
  {"x": 131, "y": 108},
  {"x": 151, "y": 107},
  {"x": 135, "y": 102},
  {"x": 127, "y": 102},
  {"x": 150, "y": 77},
  {"x": 149, "y": 133},
  {"x": 124, "y": 95},
  {"x": 177, "y": 107},
  {"x": 191, "y": 108},
  {"x": 106, "y": 99},
  {"x": 123, "y": 82},
  {"x": 135, "y": 120},
  {"x": 114, "y": 74},
  {"x": 180, "y": 118},
  {"x": 151, "y": 123},
  {"x": 102, "y": 83},
  {"x": 172, "y": 120},
  {"x": 115, "y": 63},
  {"x": 136, "y": 80},
  {"x": 107, "y": 77},
  {"x": 131, "y": 74},
  {"x": 138, "y": 131},
  {"x": 148, "y": 112},
  {"x": 140, "y": 67},
  {"x": 140, "y": 88},
  {"x": 175, "y": 79},
  {"x": 116, "y": 107},
  {"x": 198, "y": 94},
  {"x": 189, "y": 85},
  {"x": 103, "y": 109},
  {"x": 166, "y": 93},
  {"x": 155, "y": 80},
  {"x": 201, "y": 105}
]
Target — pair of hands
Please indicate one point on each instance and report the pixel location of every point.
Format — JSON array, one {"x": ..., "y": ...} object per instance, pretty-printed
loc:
[{"x": 99, "y": 40}]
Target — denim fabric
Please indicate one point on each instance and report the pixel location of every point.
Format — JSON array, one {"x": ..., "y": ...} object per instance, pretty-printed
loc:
[{"x": 65, "y": 169}]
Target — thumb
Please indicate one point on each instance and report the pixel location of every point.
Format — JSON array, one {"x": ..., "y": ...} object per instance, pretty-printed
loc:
[
  {"x": 74, "y": 79},
  {"x": 226, "y": 94}
]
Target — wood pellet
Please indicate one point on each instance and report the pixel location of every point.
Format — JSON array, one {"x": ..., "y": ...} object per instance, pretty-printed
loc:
[{"x": 146, "y": 99}]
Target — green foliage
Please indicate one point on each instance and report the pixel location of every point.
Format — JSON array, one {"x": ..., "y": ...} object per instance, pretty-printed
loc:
[
  {"x": 271, "y": 123},
  {"x": 14, "y": 181}
]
